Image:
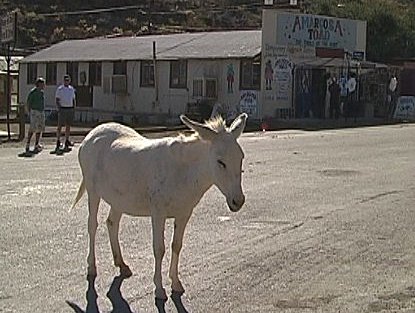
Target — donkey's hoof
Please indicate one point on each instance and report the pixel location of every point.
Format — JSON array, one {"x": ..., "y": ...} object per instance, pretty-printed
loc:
[
  {"x": 91, "y": 277},
  {"x": 161, "y": 294},
  {"x": 92, "y": 270},
  {"x": 177, "y": 288},
  {"x": 177, "y": 293},
  {"x": 160, "y": 305},
  {"x": 125, "y": 272},
  {"x": 176, "y": 296},
  {"x": 92, "y": 273}
]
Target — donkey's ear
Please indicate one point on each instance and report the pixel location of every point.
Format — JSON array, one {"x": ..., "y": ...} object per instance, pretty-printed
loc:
[
  {"x": 238, "y": 125},
  {"x": 203, "y": 131}
]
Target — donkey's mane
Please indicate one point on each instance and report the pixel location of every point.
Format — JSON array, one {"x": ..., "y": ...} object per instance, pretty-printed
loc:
[{"x": 216, "y": 124}]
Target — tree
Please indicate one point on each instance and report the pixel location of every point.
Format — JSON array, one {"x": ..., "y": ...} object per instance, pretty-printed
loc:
[{"x": 390, "y": 24}]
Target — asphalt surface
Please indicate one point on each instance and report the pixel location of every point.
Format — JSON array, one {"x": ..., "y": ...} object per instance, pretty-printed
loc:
[{"x": 328, "y": 226}]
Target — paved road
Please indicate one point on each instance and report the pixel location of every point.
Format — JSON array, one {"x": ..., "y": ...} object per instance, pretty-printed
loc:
[{"x": 328, "y": 226}]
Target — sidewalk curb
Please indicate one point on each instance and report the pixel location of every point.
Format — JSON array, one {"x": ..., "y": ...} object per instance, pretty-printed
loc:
[{"x": 272, "y": 125}]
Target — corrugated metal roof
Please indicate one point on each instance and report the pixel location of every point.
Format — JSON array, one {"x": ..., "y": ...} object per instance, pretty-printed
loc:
[{"x": 203, "y": 45}]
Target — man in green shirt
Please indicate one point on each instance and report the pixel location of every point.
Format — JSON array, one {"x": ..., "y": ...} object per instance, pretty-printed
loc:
[{"x": 36, "y": 108}]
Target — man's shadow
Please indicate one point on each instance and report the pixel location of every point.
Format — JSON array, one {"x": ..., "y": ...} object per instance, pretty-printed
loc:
[{"x": 119, "y": 304}]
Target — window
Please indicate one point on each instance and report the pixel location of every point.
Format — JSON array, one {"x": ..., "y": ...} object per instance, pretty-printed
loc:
[
  {"x": 119, "y": 68},
  {"x": 198, "y": 88},
  {"x": 211, "y": 88},
  {"x": 72, "y": 70},
  {"x": 119, "y": 84},
  {"x": 95, "y": 74},
  {"x": 250, "y": 75},
  {"x": 51, "y": 73},
  {"x": 178, "y": 74},
  {"x": 205, "y": 88},
  {"x": 146, "y": 74},
  {"x": 31, "y": 73}
]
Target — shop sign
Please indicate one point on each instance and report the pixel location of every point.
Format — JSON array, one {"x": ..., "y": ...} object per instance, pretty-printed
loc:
[
  {"x": 358, "y": 55},
  {"x": 316, "y": 31},
  {"x": 405, "y": 108}
]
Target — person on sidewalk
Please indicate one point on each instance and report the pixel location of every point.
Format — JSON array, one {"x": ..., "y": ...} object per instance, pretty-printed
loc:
[
  {"x": 65, "y": 103},
  {"x": 35, "y": 105}
]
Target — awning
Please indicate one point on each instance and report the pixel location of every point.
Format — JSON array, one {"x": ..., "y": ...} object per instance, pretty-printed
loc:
[{"x": 316, "y": 62}]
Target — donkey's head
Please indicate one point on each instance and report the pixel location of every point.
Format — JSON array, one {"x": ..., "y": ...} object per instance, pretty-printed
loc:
[{"x": 225, "y": 157}]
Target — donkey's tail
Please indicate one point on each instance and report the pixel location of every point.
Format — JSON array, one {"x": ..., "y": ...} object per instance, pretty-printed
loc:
[{"x": 81, "y": 192}]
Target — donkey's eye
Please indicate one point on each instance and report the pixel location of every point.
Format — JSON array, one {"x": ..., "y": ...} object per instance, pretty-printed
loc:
[{"x": 222, "y": 164}]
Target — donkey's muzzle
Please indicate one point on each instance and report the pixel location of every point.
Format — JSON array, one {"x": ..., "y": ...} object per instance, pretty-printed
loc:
[{"x": 237, "y": 203}]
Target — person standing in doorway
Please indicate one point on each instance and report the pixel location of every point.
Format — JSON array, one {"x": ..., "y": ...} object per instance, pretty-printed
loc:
[
  {"x": 65, "y": 103},
  {"x": 392, "y": 96},
  {"x": 334, "y": 90},
  {"x": 352, "y": 100},
  {"x": 36, "y": 108}
]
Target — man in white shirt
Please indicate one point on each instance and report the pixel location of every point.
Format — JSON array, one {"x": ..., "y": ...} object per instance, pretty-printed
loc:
[{"x": 65, "y": 102}]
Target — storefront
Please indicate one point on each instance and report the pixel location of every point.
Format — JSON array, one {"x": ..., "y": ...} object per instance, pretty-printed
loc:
[{"x": 300, "y": 54}]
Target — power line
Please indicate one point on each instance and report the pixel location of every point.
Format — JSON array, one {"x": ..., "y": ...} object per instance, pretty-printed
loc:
[
  {"x": 142, "y": 11},
  {"x": 94, "y": 11}
]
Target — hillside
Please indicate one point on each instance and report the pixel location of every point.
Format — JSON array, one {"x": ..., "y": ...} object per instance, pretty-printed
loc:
[{"x": 391, "y": 24}]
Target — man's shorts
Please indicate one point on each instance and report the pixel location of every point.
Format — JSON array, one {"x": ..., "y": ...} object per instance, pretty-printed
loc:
[
  {"x": 65, "y": 116},
  {"x": 37, "y": 121}
]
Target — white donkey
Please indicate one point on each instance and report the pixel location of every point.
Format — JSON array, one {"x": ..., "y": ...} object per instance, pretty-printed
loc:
[{"x": 162, "y": 178}]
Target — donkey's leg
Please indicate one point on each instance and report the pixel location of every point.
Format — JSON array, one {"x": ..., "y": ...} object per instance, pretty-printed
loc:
[
  {"x": 113, "y": 225},
  {"x": 93, "y": 204},
  {"x": 176, "y": 246},
  {"x": 158, "y": 223}
]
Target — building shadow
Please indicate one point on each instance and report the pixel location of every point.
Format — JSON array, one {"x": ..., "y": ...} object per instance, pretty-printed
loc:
[{"x": 119, "y": 304}]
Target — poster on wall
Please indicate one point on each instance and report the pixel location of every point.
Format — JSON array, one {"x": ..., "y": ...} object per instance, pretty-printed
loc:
[
  {"x": 405, "y": 108},
  {"x": 283, "y": 75},
  {"x": 248, "y": 102},
  {"x": 278, "y": 77}
]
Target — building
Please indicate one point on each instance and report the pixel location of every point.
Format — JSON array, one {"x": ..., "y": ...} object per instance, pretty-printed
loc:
[
  {"x": 14, "y": 70},
  {"x": 407, "y": 76},
  {"x": 299, "y": 53},
  {"x": 149, "y": 79},
  {"x": 281, "y": 71}
]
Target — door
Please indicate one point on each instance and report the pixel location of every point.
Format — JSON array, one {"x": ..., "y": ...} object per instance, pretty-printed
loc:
[{"x": 84, "y": 96}]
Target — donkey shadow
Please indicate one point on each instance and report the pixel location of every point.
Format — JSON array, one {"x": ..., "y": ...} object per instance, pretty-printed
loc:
[{"x": 119, "y": 304}]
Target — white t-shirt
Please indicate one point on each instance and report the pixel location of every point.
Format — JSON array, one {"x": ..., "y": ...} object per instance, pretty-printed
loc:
[
  {"x": 351, "y": 84},
  {"x": 66, "y": 95},
  {"x": 393, "y": 84}
]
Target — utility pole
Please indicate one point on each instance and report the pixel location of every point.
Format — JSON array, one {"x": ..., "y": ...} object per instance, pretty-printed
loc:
[
  {"x": 156, "y": 100},
  {"x": 150, "y": 13},
  {"x": 8, "y": 91},
  {"x": 8, "y": 37}
]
